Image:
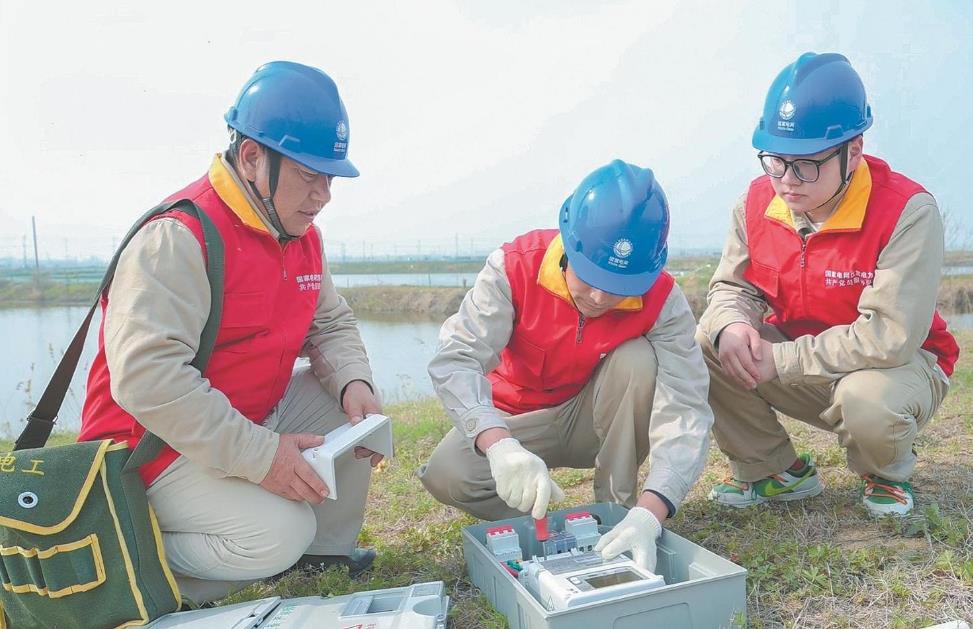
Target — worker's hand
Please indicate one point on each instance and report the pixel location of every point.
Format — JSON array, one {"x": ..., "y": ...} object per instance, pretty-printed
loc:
[
  {"x": 359, "y": 402},
  {"x": 637, "y": 532},
  {"x": 290, "y": 475},
  {"x": 523, "y": 481},
  {"x": 766, "y": 367},
  {"x": 739, "y": 348}
]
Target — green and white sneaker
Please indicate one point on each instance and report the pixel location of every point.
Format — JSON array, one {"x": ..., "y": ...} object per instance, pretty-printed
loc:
[
  {"x": 788, "y": 485},
  {"x": 887, "y": 497}
]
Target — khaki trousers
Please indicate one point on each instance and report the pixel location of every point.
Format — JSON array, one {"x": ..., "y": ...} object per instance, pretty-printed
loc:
[
  {"x": 221, "y": 534},
  {"x": 605, "y": 426},
  {"x": 876, "y": 414}
]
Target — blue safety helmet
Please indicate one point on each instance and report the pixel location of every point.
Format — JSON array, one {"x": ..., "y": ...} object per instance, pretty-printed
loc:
[
  {"x": 815, "y": 103},
  {"x": 614, "y": 229},
  {"x": 295, "y": 110}
]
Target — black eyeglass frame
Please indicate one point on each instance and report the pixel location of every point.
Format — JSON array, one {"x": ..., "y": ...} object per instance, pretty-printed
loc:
[{"x": 816, "y": 163}]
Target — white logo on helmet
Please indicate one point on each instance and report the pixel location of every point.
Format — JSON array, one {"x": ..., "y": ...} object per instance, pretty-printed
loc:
[
  {"x": 786, "y": 111},
  {"x": 341, "y": 130},
  {"x": 623, "y": 248}
]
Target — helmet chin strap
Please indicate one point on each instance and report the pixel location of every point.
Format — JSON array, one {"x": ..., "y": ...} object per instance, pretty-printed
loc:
[
  {"x": 845, "y": 178},
  {"x": 273, "y": 176}
]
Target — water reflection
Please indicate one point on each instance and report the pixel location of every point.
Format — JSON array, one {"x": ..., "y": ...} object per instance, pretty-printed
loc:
[{"x": 34, "y": 340}]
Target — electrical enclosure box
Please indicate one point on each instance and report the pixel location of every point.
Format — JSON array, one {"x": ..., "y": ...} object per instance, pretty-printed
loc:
[
  {"x": 702, "y": 590},
  {"x": 420, "y": 606},
  {"x": 374, "y": 432}
]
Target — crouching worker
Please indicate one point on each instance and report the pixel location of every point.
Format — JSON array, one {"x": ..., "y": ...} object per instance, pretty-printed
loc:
[
  {"x": 575, "y": 348},
  {"x": 234, "y": 498},
  {"x": 846, "y": 255}
]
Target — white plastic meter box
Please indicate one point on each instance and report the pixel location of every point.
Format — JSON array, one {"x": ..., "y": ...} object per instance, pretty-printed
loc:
[
  {"x": 374, "y": 432},
  {"x": 420, "y": 606},
  {"x": 559, "y": 582}
]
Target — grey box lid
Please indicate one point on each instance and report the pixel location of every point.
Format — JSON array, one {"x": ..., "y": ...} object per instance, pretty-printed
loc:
[{"x": 419, "y": 606}]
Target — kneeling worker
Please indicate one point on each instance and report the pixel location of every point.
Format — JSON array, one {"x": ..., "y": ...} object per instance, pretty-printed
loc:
[
  {"x": 235, "y": 500},
  {"x": 575, "y": 349}
]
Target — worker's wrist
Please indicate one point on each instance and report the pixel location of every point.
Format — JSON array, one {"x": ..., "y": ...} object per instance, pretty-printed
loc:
[
  {"x": 490, "y": 436},
  {"x": 654, "y": 503},
  {"x": 344, "y": 389}
]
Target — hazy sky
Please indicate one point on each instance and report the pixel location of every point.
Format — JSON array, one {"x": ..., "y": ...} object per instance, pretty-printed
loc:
[{"x": 469, "y": 119}]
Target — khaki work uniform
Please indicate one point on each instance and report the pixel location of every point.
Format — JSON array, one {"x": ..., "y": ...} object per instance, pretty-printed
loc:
[
  {"x": 220, "y": 529},
  {"x": 867, "y": 385},
  {"x": 646, "y": 399}
]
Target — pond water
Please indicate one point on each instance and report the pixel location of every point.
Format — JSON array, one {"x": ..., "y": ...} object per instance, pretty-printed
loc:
[{"x": 33, "y": 340}]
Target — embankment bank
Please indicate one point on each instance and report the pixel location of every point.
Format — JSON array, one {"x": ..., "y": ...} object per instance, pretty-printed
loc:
[
  {"x": 955, "y": 296},
  {"x": 426, "y": 301}
]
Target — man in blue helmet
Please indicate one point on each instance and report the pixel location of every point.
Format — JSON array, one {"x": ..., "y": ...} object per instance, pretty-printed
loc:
[
  {"x": 235, "y": 500},
  {"x": 574, "y": 348},
  {"x": 823, "y": 307}
]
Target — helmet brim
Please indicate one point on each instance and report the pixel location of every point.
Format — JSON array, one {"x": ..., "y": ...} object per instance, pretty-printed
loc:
[
  {"x": 335, "y": 167},
  {"x": 764, "y": 141},
  {"x": 324, "y": 165},
  {"x": 632, "y": 285}
]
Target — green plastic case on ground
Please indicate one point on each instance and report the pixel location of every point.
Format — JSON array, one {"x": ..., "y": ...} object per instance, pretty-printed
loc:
[{"x": 702, "y": 591}]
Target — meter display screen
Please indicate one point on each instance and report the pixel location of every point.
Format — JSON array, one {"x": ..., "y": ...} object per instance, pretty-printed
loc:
[{"x": 603, "y": 580}]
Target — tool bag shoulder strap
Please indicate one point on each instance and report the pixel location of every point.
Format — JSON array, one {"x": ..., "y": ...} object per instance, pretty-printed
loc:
[{"x": 41, "y": 420}]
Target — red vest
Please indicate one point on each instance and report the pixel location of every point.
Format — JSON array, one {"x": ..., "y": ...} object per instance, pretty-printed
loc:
[
  {"x": 553, "y": 350},
  {"x": 270, "y": 295},
  {"x": 815, "y": 284}
]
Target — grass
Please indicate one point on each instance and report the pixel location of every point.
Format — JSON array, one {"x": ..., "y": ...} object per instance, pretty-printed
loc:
[
  {"x": 44, "y": 291},
  {"x": 813, "y": 564}
]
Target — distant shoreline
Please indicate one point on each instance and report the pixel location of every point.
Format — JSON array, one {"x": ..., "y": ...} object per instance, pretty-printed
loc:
[
  {"x": 955, "y": 297},
  {"x": 955, "y": 294}
]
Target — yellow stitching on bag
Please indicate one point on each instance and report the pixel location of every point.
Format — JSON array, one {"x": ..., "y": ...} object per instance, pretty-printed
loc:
[
  {"x": 157, "y": 532},
  {"x": 91, "y": 540},
  {"x": 82, "y": 496},
  {"x": 123, "y": 445},
  {"x": 129, "y": 568},
  {"x": 35, "y": 468}
]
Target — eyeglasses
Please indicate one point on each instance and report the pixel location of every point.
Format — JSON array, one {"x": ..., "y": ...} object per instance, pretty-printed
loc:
[{"x": 807, "y": 170}]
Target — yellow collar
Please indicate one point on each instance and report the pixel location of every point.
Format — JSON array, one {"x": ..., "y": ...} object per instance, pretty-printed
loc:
[
  {"x": 850, "y": 213},
  {"x": 551, "y": 278},
  {"x": 231, "y": 191}
]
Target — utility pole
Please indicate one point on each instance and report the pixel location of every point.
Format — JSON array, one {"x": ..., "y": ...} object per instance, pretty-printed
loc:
[
  {"x": 456, "y": 243},
  {"x": 33, "y": 226}
]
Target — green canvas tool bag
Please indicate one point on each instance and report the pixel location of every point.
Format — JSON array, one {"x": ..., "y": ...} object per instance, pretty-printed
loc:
[{"x": 79, "y": 544}]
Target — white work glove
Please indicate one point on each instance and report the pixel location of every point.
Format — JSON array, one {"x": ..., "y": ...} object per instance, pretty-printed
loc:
[
  {"x": 523, "y": 481},
  {"x": 636, "y": 532}
]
